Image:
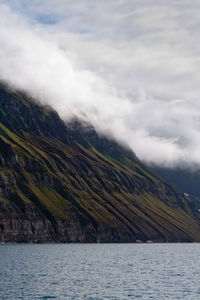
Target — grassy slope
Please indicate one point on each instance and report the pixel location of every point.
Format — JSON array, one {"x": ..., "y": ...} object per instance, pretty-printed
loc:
[
  {"x": 62, "y": 180},
  {"x": 69, "y": 173}
]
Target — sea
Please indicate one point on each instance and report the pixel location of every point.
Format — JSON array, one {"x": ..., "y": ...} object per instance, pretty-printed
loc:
[{"x": 100, "y": 271}]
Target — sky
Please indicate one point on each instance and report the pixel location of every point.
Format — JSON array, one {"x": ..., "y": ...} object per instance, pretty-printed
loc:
[{"x": 130, "y": 67}]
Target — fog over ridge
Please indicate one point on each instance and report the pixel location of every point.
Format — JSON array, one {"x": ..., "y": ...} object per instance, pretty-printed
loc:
[{"x": 131, "y": 69}]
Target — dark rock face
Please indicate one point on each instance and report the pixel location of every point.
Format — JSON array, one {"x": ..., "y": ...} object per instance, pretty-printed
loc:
[
  {"x": 19, "y": 115},
  {"x": 64, "y": 183}
]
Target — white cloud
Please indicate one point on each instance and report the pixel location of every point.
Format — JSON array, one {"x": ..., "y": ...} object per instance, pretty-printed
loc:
[{"x": 130, "y": 67}]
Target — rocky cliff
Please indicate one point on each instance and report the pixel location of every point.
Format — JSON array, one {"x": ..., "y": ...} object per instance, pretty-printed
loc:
[{"x": 64, "y": 183}]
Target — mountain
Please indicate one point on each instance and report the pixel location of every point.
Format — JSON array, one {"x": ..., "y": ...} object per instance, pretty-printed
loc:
[
  {"x": 65, "y": 183},
  {"x": 186, "y": 180}
]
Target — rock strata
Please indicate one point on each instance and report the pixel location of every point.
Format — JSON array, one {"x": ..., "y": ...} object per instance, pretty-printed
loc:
[{"x": 65, "y": 183}]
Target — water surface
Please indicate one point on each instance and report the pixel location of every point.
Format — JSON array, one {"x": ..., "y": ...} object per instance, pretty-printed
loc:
[{"x": 100, "y": 271}]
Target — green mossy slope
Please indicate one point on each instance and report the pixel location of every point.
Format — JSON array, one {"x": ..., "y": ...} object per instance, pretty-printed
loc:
[{"x": 64, "y": 183}]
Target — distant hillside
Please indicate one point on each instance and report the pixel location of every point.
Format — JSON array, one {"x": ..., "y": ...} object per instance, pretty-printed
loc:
[
  {"x": 187, "y": 181},
  {"x": 64, "y": 183}
]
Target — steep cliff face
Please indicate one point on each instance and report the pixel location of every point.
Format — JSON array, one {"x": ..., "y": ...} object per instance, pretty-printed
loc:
[{"x": 64, "y": 183}]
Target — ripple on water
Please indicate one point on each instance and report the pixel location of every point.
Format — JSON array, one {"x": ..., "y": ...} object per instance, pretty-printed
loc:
[{"x": 100, "y": 271}]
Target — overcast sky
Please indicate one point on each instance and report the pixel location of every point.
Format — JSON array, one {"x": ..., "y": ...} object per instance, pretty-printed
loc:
[{"x": 130, "y": 67}]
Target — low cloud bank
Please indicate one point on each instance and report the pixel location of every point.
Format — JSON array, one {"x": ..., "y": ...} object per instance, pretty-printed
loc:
[{"x": 131, "y": 70}]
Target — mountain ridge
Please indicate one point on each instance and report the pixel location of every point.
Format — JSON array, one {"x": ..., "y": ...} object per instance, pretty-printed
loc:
[{"x": 65, "y": 183}]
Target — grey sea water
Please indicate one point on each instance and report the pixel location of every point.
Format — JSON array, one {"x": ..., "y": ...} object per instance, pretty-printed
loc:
[{"x": 100, "y": 271}]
